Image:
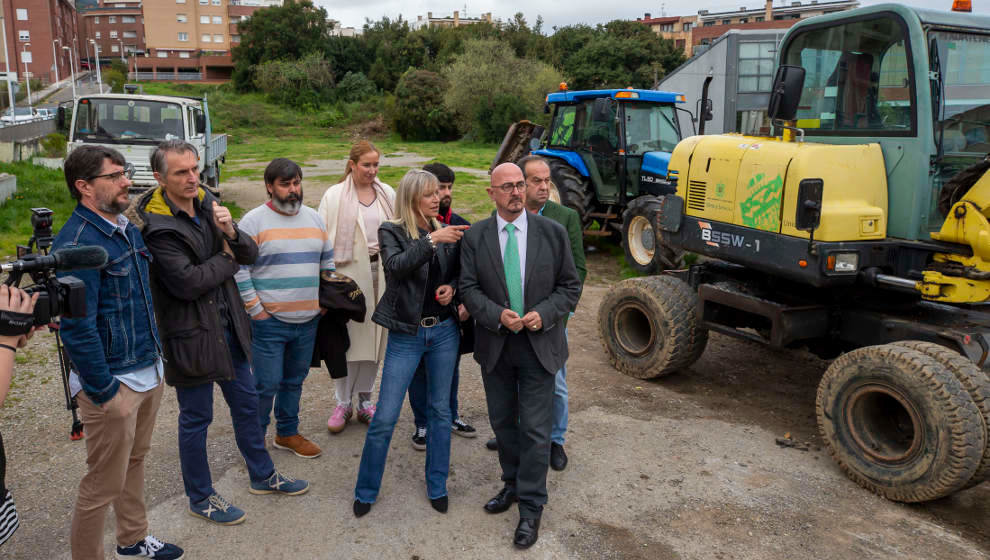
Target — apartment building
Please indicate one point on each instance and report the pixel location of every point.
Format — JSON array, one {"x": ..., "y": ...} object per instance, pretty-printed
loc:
[
  {"x": 35, "y": 31},
  {"x": 676, "y": 28},
  {"x": 455, "y": 20},
  {"x": 115, "y": 27}
]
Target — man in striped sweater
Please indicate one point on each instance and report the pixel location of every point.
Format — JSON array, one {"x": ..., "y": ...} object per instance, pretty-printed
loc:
[{"x": 281, "y": 294}]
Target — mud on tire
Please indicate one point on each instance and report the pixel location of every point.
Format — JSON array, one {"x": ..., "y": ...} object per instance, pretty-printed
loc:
[
  {"x": 642, "y": 241},
  {"x": 899, "y": 423},
  {"x": 976, "y": 383},
  {"x": 649, "y": 326},
  {"x": 575, "y": 190}
]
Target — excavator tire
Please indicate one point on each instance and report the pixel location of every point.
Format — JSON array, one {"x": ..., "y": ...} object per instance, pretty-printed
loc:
[
  {"x": 899, "y": 423},
  {"x": 649, "y": 326},
  {"x": 642, "y": 242}
]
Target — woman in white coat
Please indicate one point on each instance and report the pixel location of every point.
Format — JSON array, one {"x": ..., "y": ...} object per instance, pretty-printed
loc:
[{"x": 353, "y": 209}]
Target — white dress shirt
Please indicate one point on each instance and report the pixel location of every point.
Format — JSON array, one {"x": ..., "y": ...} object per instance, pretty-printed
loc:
[{"x": 503, "y": 237}]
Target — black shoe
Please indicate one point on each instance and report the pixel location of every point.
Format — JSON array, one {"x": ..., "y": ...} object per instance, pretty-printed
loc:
[
  {"x": 463, "y": 429},
  {"x": 419, "y": 439},
  {"x": 439, "y": 504},
  {"x": 527, "y": 532},
  {"x": 502, "y": 501},
  {"x": 492, "y": 444},
  {"x": 361, "y": 508},
  {"x": 558, "y": 459}
]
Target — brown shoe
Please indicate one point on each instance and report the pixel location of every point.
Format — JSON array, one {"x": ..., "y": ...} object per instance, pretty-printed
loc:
[{"x": 298, "y": 445}]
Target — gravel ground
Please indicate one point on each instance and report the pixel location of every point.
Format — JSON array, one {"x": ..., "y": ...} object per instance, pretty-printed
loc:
[{"x": 680, "y": 468}]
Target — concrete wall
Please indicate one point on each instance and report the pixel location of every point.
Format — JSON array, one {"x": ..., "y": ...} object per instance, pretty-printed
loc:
[
  {"x": 27, "y": 131},
  {"x": 690, "y": 77},
  {"x": 19, "y": 151},
  {"x": 8, "y": 186}
]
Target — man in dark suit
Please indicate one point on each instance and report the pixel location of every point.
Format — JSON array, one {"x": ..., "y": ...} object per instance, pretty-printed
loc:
[{"x": 519, "y": 282}]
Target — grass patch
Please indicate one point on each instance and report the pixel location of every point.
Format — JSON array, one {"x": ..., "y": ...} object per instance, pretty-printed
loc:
[{"x": 36, "y": 187}]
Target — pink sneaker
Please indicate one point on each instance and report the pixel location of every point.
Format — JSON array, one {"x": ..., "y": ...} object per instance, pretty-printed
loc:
[
  {"x": 366, "y": 413},
  {"x": 338, "y": 420}
]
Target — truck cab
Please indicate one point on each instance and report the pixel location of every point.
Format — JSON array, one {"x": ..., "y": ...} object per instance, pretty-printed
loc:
[{"x": 135, "y": 124}]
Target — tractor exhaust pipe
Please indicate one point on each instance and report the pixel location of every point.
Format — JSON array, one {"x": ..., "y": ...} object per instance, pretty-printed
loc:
[{"x": 704, "y": 107}]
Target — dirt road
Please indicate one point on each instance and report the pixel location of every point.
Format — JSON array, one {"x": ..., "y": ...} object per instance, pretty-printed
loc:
[{"x": 683, "y": 468}]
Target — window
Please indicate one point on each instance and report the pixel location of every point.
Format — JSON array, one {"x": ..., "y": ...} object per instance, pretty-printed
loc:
[
  {"x": 758, "y": 18},
  {"x": 753, "y": 123},
  {"x": 708, "y": 24},
  {"x": 726, "y": 22},
  {"x": 686, "y": 27},
  {"x": 217, "y": 20},
  {"x": 235, "y": 38},
  {"x": 113, "y": 34},
  {"x": 216, "y": 2},
  {"x": 183, "y": 36},
  {"x": 97, "y": 34},
  {"x": 218, "y": 38},
  {"x": 96, "y": 19},
  {"x": 755, "y": 66},
  {"x": 181, "y": 18},
  {"x": 180, "y": 1},
  {"x": 204, "y": 2},
  {"x": 162, "y": 54},
  {"x": 114, "y": 48},
  {"x": 184, "y": 54},
  {"x": 649, "y": 128},
  {"x": 23, "y": 35},
  {"x": 743, "y": 20},
  {"x": 22, "y": 14},
  {"x": 205, "y": 38},
  {"x": 204, "y": 19},
  {"x": 128, "y": 19},
  {"x": 857, "y": 78},
  {"x": 112, "y": 19},
  {"x": 130, "y": 34}
]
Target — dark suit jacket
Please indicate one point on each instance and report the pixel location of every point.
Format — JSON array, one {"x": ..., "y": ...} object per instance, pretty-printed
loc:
[
  {"x": 569, "y": 218},
  {"x": 552, "y": 289}
]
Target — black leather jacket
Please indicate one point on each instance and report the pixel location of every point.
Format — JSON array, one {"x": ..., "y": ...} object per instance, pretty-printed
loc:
[{"x": 407, "y": 267}]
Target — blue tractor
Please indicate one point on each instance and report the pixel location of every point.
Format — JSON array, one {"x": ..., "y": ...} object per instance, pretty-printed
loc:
[{"x": 608, "y": 152}]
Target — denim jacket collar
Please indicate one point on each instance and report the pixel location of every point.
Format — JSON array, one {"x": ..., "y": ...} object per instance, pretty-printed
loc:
[{"x": 94, "y": 219}]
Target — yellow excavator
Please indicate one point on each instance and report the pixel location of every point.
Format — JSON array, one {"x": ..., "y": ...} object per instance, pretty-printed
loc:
[{"x": 859, "y": 232}]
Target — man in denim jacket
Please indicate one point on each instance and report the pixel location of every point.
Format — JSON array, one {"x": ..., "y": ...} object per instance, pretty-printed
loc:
[{"x": 116, "y": 359}]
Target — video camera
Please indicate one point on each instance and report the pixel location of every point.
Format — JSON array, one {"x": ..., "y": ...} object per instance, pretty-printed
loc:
[{"x": 58, "y": 296}]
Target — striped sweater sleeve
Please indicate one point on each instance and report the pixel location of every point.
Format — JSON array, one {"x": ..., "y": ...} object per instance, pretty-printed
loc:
[
  {"x": 326, "y": 257},
  {"x": 252, "y": 302}
]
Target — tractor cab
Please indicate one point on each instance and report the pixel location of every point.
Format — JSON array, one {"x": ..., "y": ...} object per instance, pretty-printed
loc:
[{"x": 605, "y": 149}]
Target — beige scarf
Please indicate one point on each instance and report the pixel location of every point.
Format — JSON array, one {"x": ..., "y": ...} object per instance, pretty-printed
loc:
[{"x": 348, "y": 214}]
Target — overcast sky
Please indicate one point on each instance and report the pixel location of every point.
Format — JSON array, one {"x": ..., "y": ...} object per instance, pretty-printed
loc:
[{"x": 564, "y": 12}]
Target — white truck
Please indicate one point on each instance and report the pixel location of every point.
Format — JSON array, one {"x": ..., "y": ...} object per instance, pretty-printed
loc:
[{"x": 135, "y": 124}]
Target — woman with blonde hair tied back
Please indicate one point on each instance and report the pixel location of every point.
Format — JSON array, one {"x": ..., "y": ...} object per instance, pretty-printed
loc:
[
  {"x": 353, "y": 210},
  {"x": 421, "y": 262}
]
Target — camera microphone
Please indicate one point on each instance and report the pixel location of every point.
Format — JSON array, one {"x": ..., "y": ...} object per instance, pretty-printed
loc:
[{"x": 76, "y": 258}]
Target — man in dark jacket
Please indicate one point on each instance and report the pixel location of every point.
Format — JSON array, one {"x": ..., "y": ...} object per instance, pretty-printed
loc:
[
  {"x": 417, "y": 388},
  {"x": 197, "y": 248}
]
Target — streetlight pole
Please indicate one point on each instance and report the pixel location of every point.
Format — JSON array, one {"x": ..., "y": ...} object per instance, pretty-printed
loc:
[
  {"x": 122, "y": 59},
  {"x": 6, "y": 57},
  {"x": 27, "y": 75},
  {"x": 55, "y": 57},
  {"x": 99, "y": 76},
  {"x": 72, "y": 69}
]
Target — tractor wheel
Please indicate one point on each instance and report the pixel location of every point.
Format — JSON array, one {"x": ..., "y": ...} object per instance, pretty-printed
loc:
[
  {"x": 899, "y": 423},
  {"x": 575, "y": 190},
  {"x": 976, "y": 383},
  {"x": 649, "y": 326},
  {"x": 642, "y": 240}
]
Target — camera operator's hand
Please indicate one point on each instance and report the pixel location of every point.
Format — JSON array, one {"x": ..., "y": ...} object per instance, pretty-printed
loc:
[{"x": 16, "y": 301}]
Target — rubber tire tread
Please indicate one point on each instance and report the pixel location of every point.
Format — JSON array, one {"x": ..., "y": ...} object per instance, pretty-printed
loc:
[
  {"x": 575, "y": 190},
  {"x": 672, "y": 308},
  {"x": 647, "y": 206},
  {"x": 957, "y": 460},
  {"x": 974, "y": 380}
]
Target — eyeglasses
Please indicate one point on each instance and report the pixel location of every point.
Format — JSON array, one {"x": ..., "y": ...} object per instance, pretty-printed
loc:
[
  {"x": 507, "y": 188},
  {"x": 537, "y": 181},
  {"x": 116, "y": 176}
]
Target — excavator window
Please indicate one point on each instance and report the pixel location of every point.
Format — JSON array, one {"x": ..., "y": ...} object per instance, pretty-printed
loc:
[{"x": 858, "y": 79}]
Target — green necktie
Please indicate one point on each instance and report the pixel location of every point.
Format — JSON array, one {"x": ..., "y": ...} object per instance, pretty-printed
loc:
[{"x": 513, "y": 276}]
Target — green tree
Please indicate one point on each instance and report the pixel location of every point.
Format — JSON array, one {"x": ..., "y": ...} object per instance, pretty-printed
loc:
[
  {"x": 487, "y": 70},
  {"x": 306, "y": 82},
  {"x": 287, "y": 32},
  {"x": 419, "y": 112}
]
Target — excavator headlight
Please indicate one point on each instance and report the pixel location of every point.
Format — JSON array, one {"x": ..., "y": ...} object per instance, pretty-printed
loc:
[{"x": 842, "y": 262}]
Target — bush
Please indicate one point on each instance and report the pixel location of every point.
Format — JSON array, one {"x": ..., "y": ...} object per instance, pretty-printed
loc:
[
  {"x": 115, "y": 79},
  {"x": 303, "y": 83},
  {"x": 53, "y": 145},
  {"x": 419, "y": 112},
  {"x": 492, "y": 119},
  {"x": 488, "y": 70},
  {"x": 355, "y": 86}
]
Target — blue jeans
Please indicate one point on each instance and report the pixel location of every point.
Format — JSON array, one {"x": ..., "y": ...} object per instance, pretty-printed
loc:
[
  {"x": 559, "y": 404},
  {"x": 439, "y": 345},
  {"x": 196, "y": 414},
  {"x": 417, "y": 393},
  {"x": 281, "y": 353}
]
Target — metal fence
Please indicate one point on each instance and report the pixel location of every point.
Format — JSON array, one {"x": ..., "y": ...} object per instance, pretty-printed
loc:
[{"x": 166, "y": 76}]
